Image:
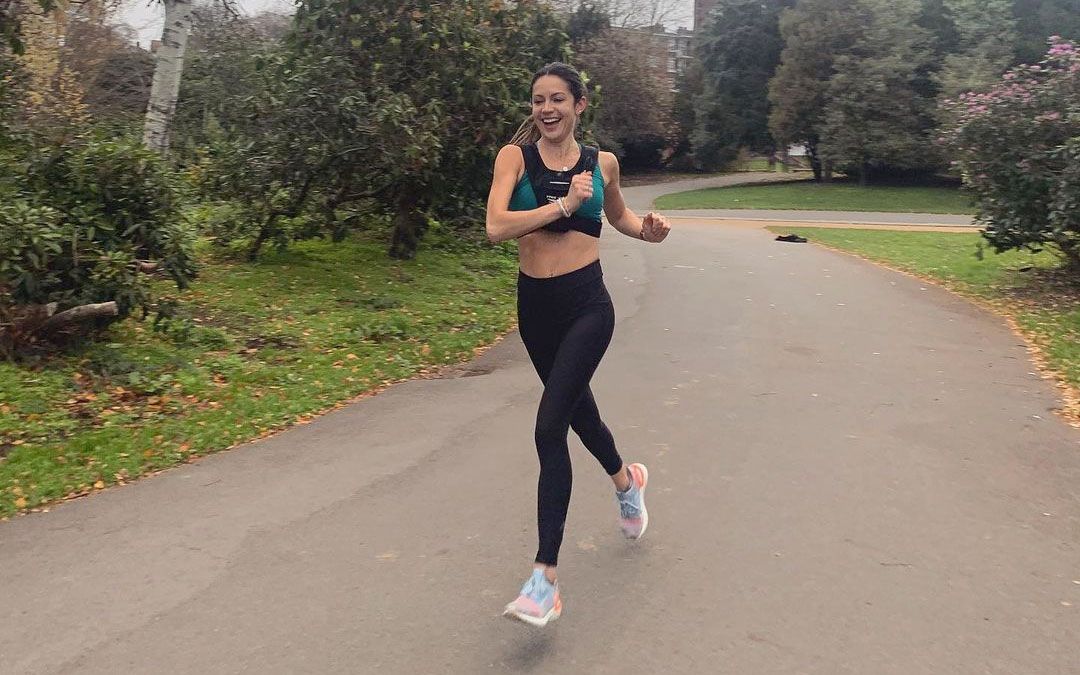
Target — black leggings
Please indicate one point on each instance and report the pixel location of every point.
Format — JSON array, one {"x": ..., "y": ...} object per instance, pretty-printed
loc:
[{"x": 566, "y": 323}]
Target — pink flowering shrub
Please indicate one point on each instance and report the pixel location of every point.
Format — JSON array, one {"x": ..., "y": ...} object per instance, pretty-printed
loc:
[{"x": 1017, "y": 148}]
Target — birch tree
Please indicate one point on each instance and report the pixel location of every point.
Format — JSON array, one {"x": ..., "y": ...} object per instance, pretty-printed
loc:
[{"x": 168, "y": 68}]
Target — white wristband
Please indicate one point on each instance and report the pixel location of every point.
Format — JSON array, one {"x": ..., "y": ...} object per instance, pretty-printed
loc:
[{"x": 562, "y": 207}]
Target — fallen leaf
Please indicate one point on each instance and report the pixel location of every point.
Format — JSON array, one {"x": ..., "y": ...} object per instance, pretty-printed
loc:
[
  {"x": 99, "y": 485},
  {"x": 20, "y": 503}
]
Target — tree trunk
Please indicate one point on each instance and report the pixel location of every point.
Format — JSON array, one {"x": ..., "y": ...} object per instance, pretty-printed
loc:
[
  {"x": 167, "y": 70},
  {"x": 815, "y": 161},
  {"x": 826, "y": 171},
  {"x": 260, "y": 239},
  {"x": 864, "y": 169},
  {"x": 80, "y": 313},
  {"x": 408, "y": 227},
  {"x": 1071, "y": 249}
]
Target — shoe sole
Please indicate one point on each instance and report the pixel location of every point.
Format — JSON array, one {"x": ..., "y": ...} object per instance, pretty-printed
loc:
[
  {"x": 537, "y": 621},
  {"x": 644, "y": 511}
]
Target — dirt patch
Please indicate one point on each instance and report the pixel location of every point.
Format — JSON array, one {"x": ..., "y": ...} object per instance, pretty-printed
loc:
[{"x": 1055, "y": 289}]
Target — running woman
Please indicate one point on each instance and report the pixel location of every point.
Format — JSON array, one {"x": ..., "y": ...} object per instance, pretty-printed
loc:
[{"x": 547, "y": 192}]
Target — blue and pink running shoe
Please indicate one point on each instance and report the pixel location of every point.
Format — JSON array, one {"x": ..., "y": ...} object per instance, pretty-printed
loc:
[
  {"x": 539, "y": 602},
  {"x": 633, "y": 517}
]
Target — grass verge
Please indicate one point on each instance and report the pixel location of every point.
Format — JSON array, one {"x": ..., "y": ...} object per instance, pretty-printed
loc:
[
  {"x": 1039, "y": 299},
  {"x": 253, "y": 348},
  {"x": 809, "y": 196}
]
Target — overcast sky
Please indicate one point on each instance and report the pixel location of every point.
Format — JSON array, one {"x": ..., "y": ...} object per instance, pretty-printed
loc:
[{"x": 147, "y": 16}]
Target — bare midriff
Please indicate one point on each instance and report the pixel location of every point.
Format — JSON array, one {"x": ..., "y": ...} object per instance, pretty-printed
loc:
[{"x": 543, "y": 253}]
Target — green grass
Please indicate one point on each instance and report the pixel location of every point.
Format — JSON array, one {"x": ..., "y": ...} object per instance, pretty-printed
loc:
[
  {"x": 1043, "y": 299},
  {"x": 757, "y": 164},
  {"x": 254, "y": 348},
  {"x": 811, "y": 196}
]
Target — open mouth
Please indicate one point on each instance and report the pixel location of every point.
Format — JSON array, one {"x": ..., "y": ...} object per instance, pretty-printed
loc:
[{"x": 550, "y": 123}]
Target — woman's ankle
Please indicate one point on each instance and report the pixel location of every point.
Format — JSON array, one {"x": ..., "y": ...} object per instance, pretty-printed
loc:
[{"x": 548, "y": 570}]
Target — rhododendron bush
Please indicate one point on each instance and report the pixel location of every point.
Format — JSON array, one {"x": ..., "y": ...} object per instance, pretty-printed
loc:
[{"x": 1017, "y": 147}]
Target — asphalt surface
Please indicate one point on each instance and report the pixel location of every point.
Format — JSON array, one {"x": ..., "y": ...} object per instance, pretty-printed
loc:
[{"x": 851, "y": 472}]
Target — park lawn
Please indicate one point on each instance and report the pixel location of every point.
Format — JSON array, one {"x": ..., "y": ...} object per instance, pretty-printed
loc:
[
  {"x": 810, "y": 196},
  {"x": 1028, "y": 287},
  {"x": 254, "y": 348}
]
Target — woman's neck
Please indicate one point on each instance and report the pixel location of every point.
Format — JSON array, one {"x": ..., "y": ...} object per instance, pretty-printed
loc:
[{"x": 566, "y": 146}]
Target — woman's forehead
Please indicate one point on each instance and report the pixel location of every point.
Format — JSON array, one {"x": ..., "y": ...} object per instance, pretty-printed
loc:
[{"x": 550, "y": 84}]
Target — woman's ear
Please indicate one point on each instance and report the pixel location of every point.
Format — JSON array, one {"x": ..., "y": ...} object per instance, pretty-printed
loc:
[{"x": 581, "y": 104}]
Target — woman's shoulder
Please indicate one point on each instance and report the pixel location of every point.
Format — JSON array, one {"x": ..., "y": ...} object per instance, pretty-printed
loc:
[
  {"x": 609, "y": 163},
  {"x": 510, "y": 158},
  {"x": 510, "y": 150},
  {"x": 608, "y": 157}
]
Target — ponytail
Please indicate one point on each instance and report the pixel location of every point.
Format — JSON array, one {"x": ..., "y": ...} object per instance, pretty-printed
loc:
[{"x": 526, "y": 134}]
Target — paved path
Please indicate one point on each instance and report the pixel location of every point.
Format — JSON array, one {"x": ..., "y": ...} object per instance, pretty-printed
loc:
[
  {"x": 852, "y": 473},
  {"x": 641, "y": 199}
]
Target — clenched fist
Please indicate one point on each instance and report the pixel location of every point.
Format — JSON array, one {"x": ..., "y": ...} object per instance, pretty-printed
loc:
[{"x": 654, "y": 227}]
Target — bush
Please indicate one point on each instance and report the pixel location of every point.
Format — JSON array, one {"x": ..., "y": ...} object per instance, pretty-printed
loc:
[
  {"x": 1016, "y": 147},
  {"x": 87, "y": 221}
]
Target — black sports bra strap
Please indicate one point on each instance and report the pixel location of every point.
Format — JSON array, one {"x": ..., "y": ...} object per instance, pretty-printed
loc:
[
  {"x": 534, "y": 169},
  {"x": 590, "y": 157}
]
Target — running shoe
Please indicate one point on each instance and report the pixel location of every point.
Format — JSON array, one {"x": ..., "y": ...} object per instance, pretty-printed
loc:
[
  {"x": 538, "y": 603},
  {"x": 633, "y": 517}
]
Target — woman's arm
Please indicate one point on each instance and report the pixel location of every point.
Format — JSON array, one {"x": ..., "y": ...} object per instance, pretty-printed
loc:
[
  {"x": 653, "y": 228},
  {"x": 502, "y": 223}
]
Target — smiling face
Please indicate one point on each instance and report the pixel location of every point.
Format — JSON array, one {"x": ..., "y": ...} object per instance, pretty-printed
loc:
[{"x": 554, "y": 109}]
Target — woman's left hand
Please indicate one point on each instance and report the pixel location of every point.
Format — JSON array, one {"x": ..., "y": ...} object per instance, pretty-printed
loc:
[{"x": 654, "y": 228}]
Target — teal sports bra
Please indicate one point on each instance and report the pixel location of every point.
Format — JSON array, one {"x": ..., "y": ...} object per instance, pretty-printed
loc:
[{"x": 538, "y": 178}]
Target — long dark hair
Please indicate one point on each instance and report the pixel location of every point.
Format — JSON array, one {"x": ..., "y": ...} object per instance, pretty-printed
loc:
[{"x": 527, "y": 132}]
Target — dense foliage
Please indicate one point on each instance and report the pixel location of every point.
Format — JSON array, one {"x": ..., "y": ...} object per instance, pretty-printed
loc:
[{"x": 1017, "y": 146}]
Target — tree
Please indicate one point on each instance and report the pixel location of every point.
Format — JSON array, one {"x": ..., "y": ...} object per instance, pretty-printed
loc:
[
  {"x": 401, "y": 107},
  {"x": 739, "y": 50},
  {"x": 12, "y": 14},
  {"x": 985, "y": 36},
  {"x": 115, "y": 73},
  {"x": 53, "y": 104},
  {"x": 168, "y": 67},
  {"x": 586, "y": 22},
  {"x": 223, "y": 72},
  {"x": 634, "y": 119},
  {"x": 690, "y": 86},
  {"x": 874, "y": 115},
  {"x": 1037, "y": 20},
  {"x": 631, "y": 13},
  {"x": 814, "y": 32}
]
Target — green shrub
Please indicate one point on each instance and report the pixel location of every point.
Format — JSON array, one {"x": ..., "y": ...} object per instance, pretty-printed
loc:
[
  {"x": 88, "y": 220},
  {"x": 1016, "y": 147}
]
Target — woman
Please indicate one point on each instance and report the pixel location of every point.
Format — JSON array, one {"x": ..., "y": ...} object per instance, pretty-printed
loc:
[{"x": 565, "y": 315}]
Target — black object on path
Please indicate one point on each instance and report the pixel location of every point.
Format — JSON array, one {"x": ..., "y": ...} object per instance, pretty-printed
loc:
[{"x": 793, "y": 238}]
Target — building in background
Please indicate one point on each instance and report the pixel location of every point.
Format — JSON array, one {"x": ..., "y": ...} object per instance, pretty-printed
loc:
[
  {"x": 669, "y": 52},
  {"x": 701, "y": 12}
]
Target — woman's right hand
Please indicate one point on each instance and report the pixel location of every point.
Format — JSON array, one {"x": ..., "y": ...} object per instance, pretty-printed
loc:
[{"x": 581, "y": 189}]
